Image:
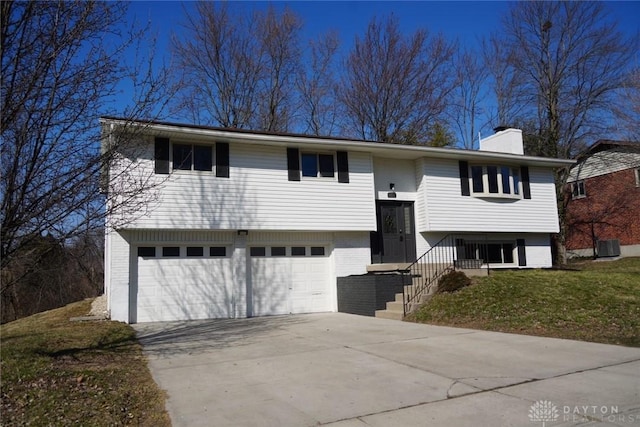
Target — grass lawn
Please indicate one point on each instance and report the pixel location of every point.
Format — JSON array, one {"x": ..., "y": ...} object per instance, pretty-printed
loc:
[
  {"x": 57, "y": 372},
  {"x": 598, "y": 302}
]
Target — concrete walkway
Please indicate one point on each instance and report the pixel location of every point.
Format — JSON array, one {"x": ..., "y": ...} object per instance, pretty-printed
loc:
[{"x": 351, "y": 371}]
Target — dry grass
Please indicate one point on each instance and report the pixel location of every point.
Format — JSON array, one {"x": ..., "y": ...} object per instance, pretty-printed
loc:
[{"x": 57, "y": 372}]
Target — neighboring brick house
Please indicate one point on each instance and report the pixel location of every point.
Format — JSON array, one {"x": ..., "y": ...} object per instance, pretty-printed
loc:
[{"x": 603, "y": 211}]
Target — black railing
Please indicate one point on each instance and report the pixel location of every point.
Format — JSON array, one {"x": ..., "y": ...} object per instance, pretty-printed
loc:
[{"x": 450, "y": 253}]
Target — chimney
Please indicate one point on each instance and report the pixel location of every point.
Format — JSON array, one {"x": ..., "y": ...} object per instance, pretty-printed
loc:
[{"x": 505, "y": 140}]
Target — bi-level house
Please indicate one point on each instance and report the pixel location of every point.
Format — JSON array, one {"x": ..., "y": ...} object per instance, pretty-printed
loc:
[{"x": 251, "y": 223}]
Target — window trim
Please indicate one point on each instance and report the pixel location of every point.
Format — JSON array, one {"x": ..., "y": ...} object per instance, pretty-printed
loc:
[
  {"x": 576, "y": 194},
  {"x": 319, "y": 171},
  {"x": 492, "y": 185},
  {"x": 192, "y": 167}
]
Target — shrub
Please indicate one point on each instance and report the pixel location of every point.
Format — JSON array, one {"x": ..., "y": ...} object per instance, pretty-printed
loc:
[{"x": 452, "y": 282}]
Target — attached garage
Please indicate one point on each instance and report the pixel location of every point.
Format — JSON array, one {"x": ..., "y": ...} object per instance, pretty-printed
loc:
[
  {"x": 289, "y": 280},
  {"x": 208, "y": 275},
  {"x": 183, "y": 283}
]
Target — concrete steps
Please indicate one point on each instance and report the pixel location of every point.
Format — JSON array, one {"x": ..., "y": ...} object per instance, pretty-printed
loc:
[{"x": 395, "y": 309}]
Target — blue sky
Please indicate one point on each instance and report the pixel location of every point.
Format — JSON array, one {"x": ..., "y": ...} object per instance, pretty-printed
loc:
[{"x": 465, "y": 21}]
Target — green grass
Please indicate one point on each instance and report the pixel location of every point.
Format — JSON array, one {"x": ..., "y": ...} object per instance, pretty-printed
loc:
[
  {"x": 597, "y": 301},
  {"x": 57, "y": 372}
]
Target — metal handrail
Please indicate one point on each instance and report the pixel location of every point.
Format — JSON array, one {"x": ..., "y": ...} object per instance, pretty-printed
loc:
[{"x": 429, "y": 267}]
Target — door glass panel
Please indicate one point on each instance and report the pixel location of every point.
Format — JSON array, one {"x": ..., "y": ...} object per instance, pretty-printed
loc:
[
  {"x": 389, "y": 222},
  {"x": 407, "y": 220}
]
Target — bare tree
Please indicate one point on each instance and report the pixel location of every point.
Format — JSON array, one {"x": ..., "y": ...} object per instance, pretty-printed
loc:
[
  {"x": 569, "y": 64},
  {"x": 627, "y": 111},
  {"x": 57, "y": 76},
  {"x": 468, "y": 96},
  {"x": 316, "y": 87},
  {"x": 238, "y": 69},
  {"x": 395, "y": 86}
]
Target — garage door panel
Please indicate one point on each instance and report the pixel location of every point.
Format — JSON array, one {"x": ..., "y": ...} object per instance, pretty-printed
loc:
[
  {"x": 283, "y": 285},
  {"x": 270, "y": 289},
  {"x": 179, "y": 289}
]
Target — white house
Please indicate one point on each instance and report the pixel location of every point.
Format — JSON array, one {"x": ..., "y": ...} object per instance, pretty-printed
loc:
[{"x": 250, "y": 223}]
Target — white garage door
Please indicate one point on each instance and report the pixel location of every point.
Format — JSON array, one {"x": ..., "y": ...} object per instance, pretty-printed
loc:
[
  {"x": 181, "y": 283},
  {"x": 288, "y": 280}
]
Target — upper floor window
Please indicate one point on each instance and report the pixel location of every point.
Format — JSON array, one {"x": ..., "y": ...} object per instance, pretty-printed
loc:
[
  {"x": 637, "y": 171},
  {"x": 192, "y": 157},
  {"x": 578, "y": 190},
  {"x": 495, "y": 180},
  {"x": 317, "y": 165}
]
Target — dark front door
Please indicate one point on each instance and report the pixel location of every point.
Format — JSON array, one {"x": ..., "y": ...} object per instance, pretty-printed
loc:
[{"x": 396, "y": 235}]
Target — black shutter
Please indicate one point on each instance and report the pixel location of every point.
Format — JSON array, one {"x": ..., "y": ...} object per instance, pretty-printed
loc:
[
  {"x": 343, "y": 166},
  {"x": 526, "y": 188},
  {"x": 162, "y": 155},
  {"x": 222, "y": 159},
  {"x": 464, "y": 178},
  {"x": 293, "y": 164},
  {"x": 522, "y": 253}
]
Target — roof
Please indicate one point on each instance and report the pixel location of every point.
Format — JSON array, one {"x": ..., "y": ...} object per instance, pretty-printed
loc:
[
  {"x": 398, "y": 151},
  {"x": 606, "y": 144}
]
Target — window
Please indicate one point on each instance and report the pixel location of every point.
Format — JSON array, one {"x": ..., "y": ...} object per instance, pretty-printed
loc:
[
  {"x": 171, "y": 251},
  {"x": 298, "y": 251},
  {"x": 495, "y": 181},
  {"x": 637, "y": 171},
  {"x": 147, "y": 251},
  {"x": 317, "y": 165},
  {"x": 192, "y": 157},
  {"x": 317, "y": 251},
  {"x": 193, "y": 251},
  {"x": 278, "y": 251},
  {"x": 258, "y": 251},
  {"x": 476, "y": 177},
  {"x": 218, "y": 251},
  {"x": 578, "y": 190},
  {"x": 488, "y": 252}
]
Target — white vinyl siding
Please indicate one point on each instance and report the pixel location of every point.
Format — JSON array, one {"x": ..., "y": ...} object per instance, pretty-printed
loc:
[
  {"x": 352, "y": 253},
  {"x": 258, "y": 195},
  {"x": 448, "y": 210}
]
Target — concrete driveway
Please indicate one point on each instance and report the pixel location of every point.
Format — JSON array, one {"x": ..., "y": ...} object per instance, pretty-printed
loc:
[{"x": 344, "y": 370}]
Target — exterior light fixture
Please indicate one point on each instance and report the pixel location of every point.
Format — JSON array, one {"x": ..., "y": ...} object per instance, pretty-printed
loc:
[
  {"x": 243, "y": 232},
  {"x": 392, "y": 194}
]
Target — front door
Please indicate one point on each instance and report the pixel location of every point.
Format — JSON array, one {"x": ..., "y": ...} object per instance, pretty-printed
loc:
[{"x": 396, "y": 236}]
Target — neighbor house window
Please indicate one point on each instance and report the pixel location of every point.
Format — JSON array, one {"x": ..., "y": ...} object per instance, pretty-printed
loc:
[
  {"x": 317, "y": 165},
  {"x": 495, "y": 180},
  {"x": 578, "y": 190},
  {"x": 192, "y": 157},
  {"x": 637, "y": 171}
]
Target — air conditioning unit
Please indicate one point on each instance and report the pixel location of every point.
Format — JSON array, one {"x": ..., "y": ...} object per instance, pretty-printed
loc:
[{"x": 608, "y": 248}]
